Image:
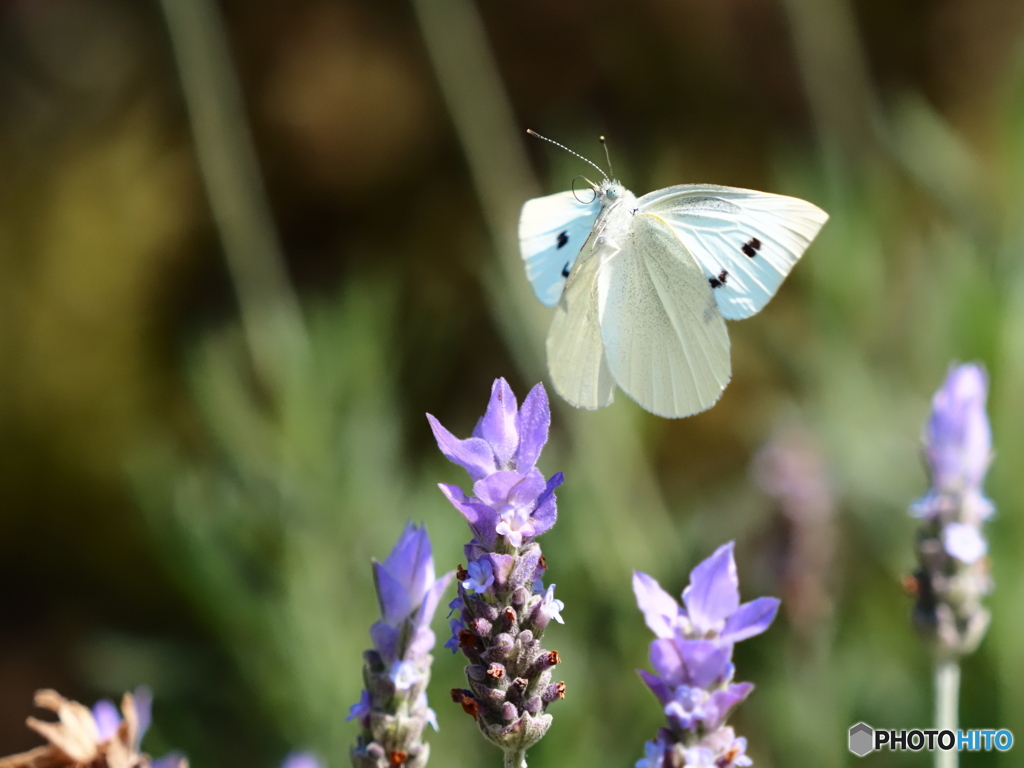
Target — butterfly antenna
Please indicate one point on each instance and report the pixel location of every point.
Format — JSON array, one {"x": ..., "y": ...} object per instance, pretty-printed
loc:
[
  {"x": 581, "y": 157},
  {"x": 604, "y": 143}
]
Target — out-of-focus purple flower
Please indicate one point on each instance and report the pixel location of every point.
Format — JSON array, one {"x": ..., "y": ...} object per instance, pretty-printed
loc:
[
  {"x": 170, "y": 760},
  {"x": 964, "y": 542},
  {"x": 692, "y": 660},
  {"x": 301, "y": 760},
  {"x": 392, "y": 709},
  {"x": 792, "y": 469},
  {"x": 97, "y": 737},
  {"x": 953, "y": 573},
  {"x": 502, "y": 618},
  {"x": 108, "y": 718},
  {"x": 958, "y": 439},
  {"x": 408, "y": 595},
  {"x": 654, "y": 752},
  {"x": 404, "y": 675},
  {"x": 958, "y": 449}
]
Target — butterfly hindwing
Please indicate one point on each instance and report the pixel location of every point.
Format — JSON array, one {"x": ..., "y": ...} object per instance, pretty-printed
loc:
[
  {"x": 664, "y": 337},
  {"x": 746, "y": 242},
  {"x": 576, "y": 356},
  {"x": 552, "y": 231}
]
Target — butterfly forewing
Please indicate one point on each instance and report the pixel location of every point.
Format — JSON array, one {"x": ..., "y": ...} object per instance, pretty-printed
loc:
[
  {"x": 576, "y": 357},
  {"x": 552, "y": 230},
  {"x": 665, "y": 341},
  {"x": 746, "y": 242}
]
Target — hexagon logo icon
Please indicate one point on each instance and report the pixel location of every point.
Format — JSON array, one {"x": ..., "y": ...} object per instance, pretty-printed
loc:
[{"x": 862, "y": 738}]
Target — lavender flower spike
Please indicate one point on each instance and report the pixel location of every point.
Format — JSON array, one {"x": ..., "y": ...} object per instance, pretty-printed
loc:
[
  {"x": 392, "y": 709},
  {"x": 692, "y": 659},
  {"x": 953, "y": 570},
  {"x": 503, "y": 604}
]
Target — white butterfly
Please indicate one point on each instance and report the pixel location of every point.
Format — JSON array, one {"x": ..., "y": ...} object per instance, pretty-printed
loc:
[{"x": 643, "y": 286}]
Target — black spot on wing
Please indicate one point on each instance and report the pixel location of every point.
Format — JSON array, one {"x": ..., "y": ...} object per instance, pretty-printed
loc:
[
  {"x": 718, "y": 282},
  {"x": 565, "y": 269},
  {"x": 563, "y": 238},
  {"x": 751, "y": 247}
]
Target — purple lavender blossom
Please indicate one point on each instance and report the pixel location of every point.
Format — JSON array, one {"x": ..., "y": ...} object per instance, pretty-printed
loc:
[
  {"x": 511, "y": 502},
  {"x": 392, "y": 710},
  {"x": 301, "y": 760},
  {"x": 953, "y": 573},
  {"x": 503, "y": 605},
  {"x": 692, "y": 659},
  {"x": 712, "y": 603},
  {"x": 108, "y": 718}
]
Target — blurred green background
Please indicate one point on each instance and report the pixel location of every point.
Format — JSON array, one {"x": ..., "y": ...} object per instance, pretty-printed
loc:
[{"x": 213, "y": 386}]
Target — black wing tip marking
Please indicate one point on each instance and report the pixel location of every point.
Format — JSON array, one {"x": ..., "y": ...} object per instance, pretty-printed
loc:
[
  {"x": 751, "y": 247},
  {"x": 563, "y": 238},
  {"x": 718, "y": 282}
]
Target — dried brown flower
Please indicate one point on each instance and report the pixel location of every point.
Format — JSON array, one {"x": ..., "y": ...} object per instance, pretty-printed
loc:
[{"x": 75, "y": 741}]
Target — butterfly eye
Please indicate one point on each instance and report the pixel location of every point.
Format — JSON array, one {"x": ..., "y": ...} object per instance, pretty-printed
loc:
[{"x": 613, "y": 192}]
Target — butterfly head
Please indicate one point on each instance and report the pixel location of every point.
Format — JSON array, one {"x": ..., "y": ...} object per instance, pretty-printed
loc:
[{"x": 610, "y": 190}]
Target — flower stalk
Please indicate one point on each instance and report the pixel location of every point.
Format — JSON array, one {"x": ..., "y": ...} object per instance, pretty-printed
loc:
[
  {"x": 503, "y": 606},
  {"x": 393, "y": 710},
  {"x": 692, "y": 659},
  {"x": 953, "y": 574}
]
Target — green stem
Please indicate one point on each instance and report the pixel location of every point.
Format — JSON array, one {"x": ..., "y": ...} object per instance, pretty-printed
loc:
[
  {"x": 515, "y": 759},
  {"x": 271, "y": 318},
  {"x": 947, "y": 695}
]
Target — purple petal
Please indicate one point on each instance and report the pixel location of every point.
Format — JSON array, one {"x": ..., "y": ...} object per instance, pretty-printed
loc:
[
  {"x": 704, "y": 661},
  {"x": 171, "y": 760},
  {"x": 385, "y": 640},
  {"x": 361, "y": 707},
  {"x": 107, "y": 718},
  {"x": 493, "y": 490},
  {"x": 143, "y": 709},
  {"x": 717, "y": 708},
  {"x": 392, "y": 596},
  {"x": 527, "y": 492},
  {"x": 665, "y": 659},
  {"x": 498, "y": 425},
  {"x": 480, "y": 517},
  {"x": 480, "y": 546},
  {"x": 750, "y": 619},
  {"x": 657, "y": 685},
  {"x": 473, "y": 454},
  {"x": 546, "y": 514},
  {"x": 713, "y": 593},
  {"x": 421, "y": 643},
  {"x": 302, "y": 759},
  {"x": 659, "y": 608},
  {"x": 534, "y": 420},
  {"x": 958, "y": 438},
  {"x": 411, "y": 562}
]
